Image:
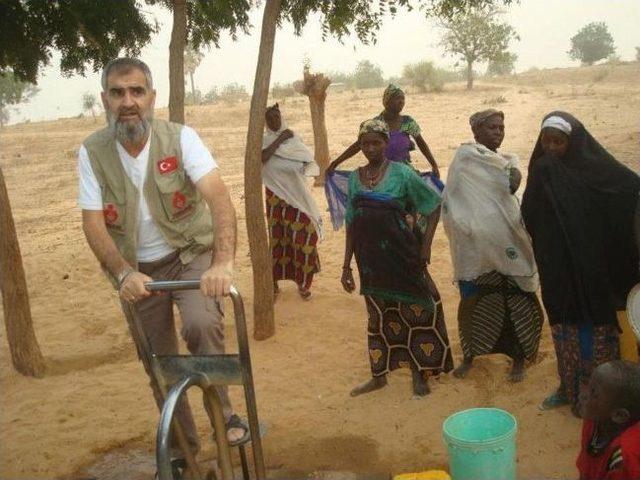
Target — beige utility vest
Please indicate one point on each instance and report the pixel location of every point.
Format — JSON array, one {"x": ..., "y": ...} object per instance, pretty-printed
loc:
[{"x": 177, "y": 208}]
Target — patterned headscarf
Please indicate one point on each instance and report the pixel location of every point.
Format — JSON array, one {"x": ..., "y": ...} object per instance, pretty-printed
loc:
[
  {"x": 391, "y": 91},
  {"x": 374, "y": 126},
  {"x": 482, "y": 116}
]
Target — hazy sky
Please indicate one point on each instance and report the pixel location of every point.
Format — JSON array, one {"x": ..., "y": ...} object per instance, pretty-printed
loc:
[{"x": 544, "y": 26}]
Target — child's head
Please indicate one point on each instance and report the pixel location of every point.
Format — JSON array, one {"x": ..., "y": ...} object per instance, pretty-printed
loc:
[{"x": 613, "y": 393}]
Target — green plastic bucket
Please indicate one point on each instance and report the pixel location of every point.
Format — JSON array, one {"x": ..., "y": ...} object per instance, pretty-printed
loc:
[{"x": 481, "y": 444}]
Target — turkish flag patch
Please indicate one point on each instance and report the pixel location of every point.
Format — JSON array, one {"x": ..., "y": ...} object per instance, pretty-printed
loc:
[
  {"x": 167, "y": 165},
  {"x": 110, "y": 213},
  {"x": 179, "y": 201}
]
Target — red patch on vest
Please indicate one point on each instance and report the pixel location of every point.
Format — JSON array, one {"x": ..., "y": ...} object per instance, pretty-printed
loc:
[
  {"x": 179, "y": 201},
  {"x": 110, "y": 213},
  {"x": 167, "y": 165}
]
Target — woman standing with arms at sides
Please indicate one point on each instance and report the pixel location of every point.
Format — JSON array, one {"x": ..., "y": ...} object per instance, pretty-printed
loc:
[
  {"x": 406, "y": 320},
  {"x": 579, "y": 206},
  {"x": 294, "y": 221},
  {"x": 401, "y": 129}
]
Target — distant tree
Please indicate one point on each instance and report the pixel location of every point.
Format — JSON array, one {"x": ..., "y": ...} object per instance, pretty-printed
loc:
[
  {"x": 367, "y": 75},
  {"x": 340, "y": 77},
  {"x": 637, "y": 54},
  {"x": 89, "y": 102},
  {"x": 192, "y": 59},
  {"x": 475, "y": 35},
  {"x": 193, "y": 98},
  {"x": 282, "y": 90},
  {"x": 502, "y": 64},
  {"x": 592, "y": 43},
  {"x": 233, "y": 91},
  {"x": 13, "y": 92},
  {"x": 211, "y": 96},
  {"x": 424, "y": 76}
]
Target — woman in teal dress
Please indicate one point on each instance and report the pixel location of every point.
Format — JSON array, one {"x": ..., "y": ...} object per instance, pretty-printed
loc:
[{"x": 406, "y": 321}]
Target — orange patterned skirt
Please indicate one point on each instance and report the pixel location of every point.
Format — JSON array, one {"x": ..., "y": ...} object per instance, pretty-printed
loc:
[{"x": 293, "y": 242}]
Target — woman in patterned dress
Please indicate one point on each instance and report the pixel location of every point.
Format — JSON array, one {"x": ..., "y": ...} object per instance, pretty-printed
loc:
[
  {"x": 406, "y": 320},
  {"x": 578, "y": 207},
  {"x": 402, "y": 129},
  {"x": 491, "y": 251},
  {"x": 295, "y": 223}
]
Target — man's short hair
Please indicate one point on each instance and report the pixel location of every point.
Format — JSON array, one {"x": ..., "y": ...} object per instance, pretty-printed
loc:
[
  {"x": 124, "y": 65},
  {"x": 626, "y": 383}
]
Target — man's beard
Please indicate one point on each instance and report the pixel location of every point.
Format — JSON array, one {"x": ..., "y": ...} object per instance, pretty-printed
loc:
[{"x": 130, "y": 131}]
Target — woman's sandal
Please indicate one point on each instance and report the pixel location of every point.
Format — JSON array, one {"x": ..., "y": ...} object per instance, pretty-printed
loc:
[
  {"x": 236, "y": 422},
  {"x": 555, "y": 400}
]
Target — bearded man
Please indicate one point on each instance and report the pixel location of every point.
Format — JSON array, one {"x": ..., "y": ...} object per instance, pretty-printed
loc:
[{"x": 144, "y": 185}]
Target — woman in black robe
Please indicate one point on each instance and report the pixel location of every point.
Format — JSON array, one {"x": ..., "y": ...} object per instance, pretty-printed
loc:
[{"x": 578, "y": 206}]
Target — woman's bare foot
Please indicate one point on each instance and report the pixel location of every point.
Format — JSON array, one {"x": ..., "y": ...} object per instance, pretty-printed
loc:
[
  {"x": 375, "y": 383},
  {"x": 420, "y": 383},
  {"x": 463, "y": 369},
  {"x": 305, "y": 293},
  {"x": 517, "y": 371}
]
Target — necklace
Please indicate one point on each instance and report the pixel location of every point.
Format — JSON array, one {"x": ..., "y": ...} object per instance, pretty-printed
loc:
[{"x": 374, "y": 177}]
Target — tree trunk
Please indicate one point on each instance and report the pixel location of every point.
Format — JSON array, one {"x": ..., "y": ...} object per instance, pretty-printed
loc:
[
  {"x": 320, "y": 139},
  {"x": 315, "y": 87},
  {"x": 469, "y": 74},
  {"x": 176, "y": 61},
  {"x": 25, "y": 352},
  {"x": 263, "y": 320},
  {"x": 193, "y": 90}
]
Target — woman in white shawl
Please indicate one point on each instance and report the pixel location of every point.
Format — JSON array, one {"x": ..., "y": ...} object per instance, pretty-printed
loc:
[
  {"x": 491, "y": 251},
  {"x": 295, "y": 223}
]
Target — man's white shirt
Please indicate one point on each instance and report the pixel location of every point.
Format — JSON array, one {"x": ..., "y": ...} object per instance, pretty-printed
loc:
[{"x": 197, "y": 162}]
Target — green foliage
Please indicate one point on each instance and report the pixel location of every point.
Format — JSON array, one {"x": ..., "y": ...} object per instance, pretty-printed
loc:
[
  {"x": 592, "y": 43},
  {"x": 13, "y": 91},
  {"x": 87, "y": 32},
  {"x": 637, "y": 54},
  {"x": 83, "y": 31},
  {"x": 367, "y": 75},
  {"x": 424, "y": 76},
  {"x": 476, "y": 35},
  {"x": 502, "y": 64},
  {"x": 340, "y": 18}
]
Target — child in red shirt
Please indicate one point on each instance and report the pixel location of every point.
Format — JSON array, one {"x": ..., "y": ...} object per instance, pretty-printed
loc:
[{"x": 610, "y": 406}]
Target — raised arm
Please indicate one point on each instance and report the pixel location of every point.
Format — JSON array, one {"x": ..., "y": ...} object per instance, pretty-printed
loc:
[
  {"x": 344, "y": 156},
  {"x": 424, "y": 148},
  {"x": 216, "y": 281}
]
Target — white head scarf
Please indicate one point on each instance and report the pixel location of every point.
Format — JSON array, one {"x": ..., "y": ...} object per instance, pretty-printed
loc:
[{"x": 558, "y": 123}]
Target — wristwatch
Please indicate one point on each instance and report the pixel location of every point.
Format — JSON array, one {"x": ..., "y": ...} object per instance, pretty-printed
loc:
[{"x": 124, "y": 273}]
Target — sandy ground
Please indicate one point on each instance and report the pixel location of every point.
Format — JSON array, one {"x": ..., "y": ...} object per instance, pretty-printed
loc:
[{"x": 95, "y": 398}]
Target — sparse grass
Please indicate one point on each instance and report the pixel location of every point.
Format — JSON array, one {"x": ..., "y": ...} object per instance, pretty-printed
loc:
[{"x": 495, "y": 100}]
